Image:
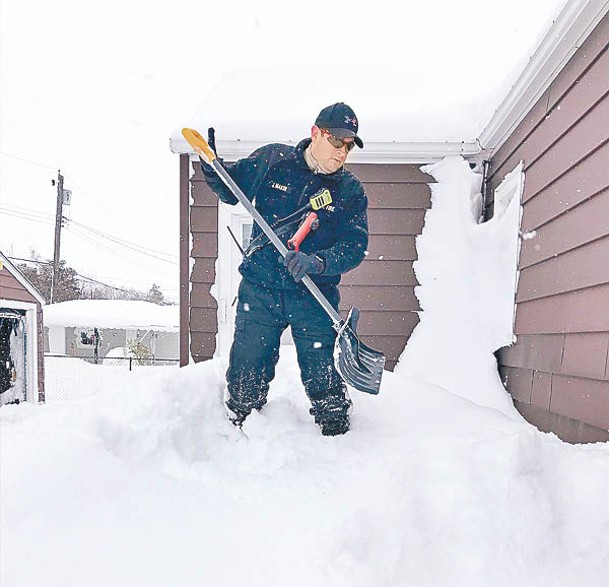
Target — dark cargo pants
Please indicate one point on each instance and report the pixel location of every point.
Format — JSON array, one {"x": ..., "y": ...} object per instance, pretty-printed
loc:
[{"x": 262, "y": 316}]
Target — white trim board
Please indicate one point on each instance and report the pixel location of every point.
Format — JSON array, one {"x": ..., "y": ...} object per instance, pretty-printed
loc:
[{"x": 21, "y": 279}]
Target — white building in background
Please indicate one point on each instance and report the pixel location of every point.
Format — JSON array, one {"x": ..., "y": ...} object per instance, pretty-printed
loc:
[{"x": 71, "y": 328}]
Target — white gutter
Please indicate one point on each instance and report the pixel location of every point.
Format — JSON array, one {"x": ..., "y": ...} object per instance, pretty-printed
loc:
[
  {"x": 382, "y": 152},
  {"x": 572, "y": 26}
]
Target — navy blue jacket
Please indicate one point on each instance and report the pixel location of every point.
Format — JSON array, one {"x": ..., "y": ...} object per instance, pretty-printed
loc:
[{"x": 278, "y": 180}]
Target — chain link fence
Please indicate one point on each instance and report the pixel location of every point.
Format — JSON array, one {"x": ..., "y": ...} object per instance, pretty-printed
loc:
[{"x": 72, "y": 378}]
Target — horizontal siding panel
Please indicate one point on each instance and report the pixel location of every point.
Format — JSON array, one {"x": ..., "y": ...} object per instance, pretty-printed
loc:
[
  {"x": 387, "y": 323},
  {"x": 395, "y": 221},
  {"x": 587, "y": 136},
  {"x": 203, "y": 320},
  {"x": 12, "y": 289},
  {"x": 586, "y": 223},
  {"x": 583, "y": 96},
  {"x": 398, "y": 195},
  {"x": 583, "y": 267},
  {"x": 519, "y": 382},
  {"x": 585, "y": 355},
  {"x": 385, "y": 272},
  {"x": 596, "y": 43},
  {"x": 204, "y": 244},
  {"x": 588, "y": 178},
  {"x": 391, "y": 346},
  {"x": 200, "y": 297},
  {"x": 542, "y": 352},
  {"x": 509, "y": 153},
  {"x": 203, "y": 196},
  {"x": 202, "y": 345},
  {"x": 204, "y": 219},
  {"x": 541, "y": 390},
  {"x": 586, "y": 310},
  {"x": 204, "y": 271},
  {"x": 386, "y": 173},
  {"x": 586, "y": 400},
  {"x": 392, "y": 247},
  {"x": 566, "y": 429},
  {"x": 379, "y": 298}
]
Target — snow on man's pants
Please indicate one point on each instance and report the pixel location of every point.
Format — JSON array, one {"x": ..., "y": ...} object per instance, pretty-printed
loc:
[{"x": 262, "y": 315}]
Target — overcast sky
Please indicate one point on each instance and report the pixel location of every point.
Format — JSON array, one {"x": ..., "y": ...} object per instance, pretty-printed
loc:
[{"x": 97, "y": 89}]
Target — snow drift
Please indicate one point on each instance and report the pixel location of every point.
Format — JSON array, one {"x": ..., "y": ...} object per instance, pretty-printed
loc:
[{"x": 437, "y": 484}]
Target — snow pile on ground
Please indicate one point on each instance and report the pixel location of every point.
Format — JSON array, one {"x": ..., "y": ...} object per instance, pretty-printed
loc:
[
  {"x": 128, "y": 314},
  {"x": 147, "y": 484},
  {"x": 70, "y": 378}
]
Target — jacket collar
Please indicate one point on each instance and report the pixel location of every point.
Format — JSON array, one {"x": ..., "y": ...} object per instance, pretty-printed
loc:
[{"x": 299, "y": 157}]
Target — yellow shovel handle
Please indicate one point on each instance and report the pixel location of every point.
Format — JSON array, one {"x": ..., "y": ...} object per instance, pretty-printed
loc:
[{"x": 199, "y": 144}]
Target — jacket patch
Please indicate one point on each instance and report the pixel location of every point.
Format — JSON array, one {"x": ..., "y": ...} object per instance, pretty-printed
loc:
[{"x": 278, "y": 186}]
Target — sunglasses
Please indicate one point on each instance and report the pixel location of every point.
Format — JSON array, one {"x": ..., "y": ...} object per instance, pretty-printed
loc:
[{"x": 336, "y": 142}]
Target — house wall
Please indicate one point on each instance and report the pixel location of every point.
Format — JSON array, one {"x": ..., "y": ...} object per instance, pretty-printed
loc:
[
  {"x": 558, "y": 370},
  {"x": 166, "y": 344},
  {"x": 382, "y": 287},
  {"x": 12, "y": 289}
]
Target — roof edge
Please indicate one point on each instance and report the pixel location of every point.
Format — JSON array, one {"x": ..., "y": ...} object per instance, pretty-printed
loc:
[
  {"x": 22, "y": 279},
  {"x": 381, "y": 152},
  {"x": 572, "y": 26}
]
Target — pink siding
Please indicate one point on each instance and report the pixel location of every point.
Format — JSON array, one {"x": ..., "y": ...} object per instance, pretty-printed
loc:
[{"x": 557, "y": 372}]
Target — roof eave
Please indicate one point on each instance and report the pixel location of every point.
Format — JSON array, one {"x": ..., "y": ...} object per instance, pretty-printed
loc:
[
  {"x": 380, "y": 152},
  {"x": 572, "y": 26}
]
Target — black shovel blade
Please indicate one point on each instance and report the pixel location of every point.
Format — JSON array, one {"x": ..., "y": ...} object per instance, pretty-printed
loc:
[{"x": 358, "y": 364}]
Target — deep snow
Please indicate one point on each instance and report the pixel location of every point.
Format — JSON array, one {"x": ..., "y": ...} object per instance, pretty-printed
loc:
[{"x": 147, "y": 484}]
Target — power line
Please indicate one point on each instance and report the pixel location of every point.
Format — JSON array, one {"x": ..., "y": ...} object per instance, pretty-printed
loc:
[
  {"x": 27, "y": 161},
  {"x": 84, "y": 277},
  {"x": 26, "y": 216},
  {"x": 41, "y": 217},
  {"x": 127, "y": 244}
]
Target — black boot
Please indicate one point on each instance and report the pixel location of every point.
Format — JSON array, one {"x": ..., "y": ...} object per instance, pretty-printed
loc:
[{"x": 335, "y": 427}]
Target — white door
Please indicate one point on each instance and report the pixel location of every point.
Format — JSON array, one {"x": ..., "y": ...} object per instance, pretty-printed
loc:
[
  {"x": 237, "y": 219},
  {"x": 228, "y": 277}
]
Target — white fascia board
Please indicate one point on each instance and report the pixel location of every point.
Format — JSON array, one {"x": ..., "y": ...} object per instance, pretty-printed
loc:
[
  {"x": 389, "y": 152},
  {"x": 576, "y": 21}
]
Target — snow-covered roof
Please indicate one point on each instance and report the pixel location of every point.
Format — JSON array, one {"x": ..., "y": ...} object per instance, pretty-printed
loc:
[
  {"x": 404, "y": 116},
  {"x": 128, "y": 315}
]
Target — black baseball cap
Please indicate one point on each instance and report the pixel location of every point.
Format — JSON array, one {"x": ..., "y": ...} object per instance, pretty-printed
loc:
[{"x": 341, "y": 121}]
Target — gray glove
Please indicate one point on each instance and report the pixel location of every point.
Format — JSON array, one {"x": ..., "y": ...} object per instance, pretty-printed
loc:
[{"x": 300, "y": 264}]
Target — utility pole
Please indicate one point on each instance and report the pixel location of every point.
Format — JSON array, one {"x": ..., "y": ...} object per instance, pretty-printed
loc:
[{"x": 58, "y": 223}]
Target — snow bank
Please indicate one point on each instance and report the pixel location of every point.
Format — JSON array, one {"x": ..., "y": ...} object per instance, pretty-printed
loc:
[
  {"x": 130, "y": 315},
  {"x": 148, "y": 485},
  {"x": 466, "y": 273}
]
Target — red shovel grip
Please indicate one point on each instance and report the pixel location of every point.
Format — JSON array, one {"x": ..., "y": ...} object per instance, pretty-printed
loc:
[{"x": 304, "y": 229}]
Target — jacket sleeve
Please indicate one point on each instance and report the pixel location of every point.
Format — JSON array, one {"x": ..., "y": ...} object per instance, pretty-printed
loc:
[
  {"x": 244, "y": 171},
  {"x": 350, "y": 249}
]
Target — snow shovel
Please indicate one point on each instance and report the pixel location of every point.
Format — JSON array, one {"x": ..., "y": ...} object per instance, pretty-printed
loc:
[{"x": 358, "y": 364}]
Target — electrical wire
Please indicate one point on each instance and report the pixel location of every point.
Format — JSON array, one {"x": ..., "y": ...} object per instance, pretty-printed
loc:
[
  {"x": 22, "y": 216},
  {"x": 121, "y": 242}
]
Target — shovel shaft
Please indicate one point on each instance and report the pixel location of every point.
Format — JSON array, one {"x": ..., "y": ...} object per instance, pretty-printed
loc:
[{"x": 270, "y": 233}]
